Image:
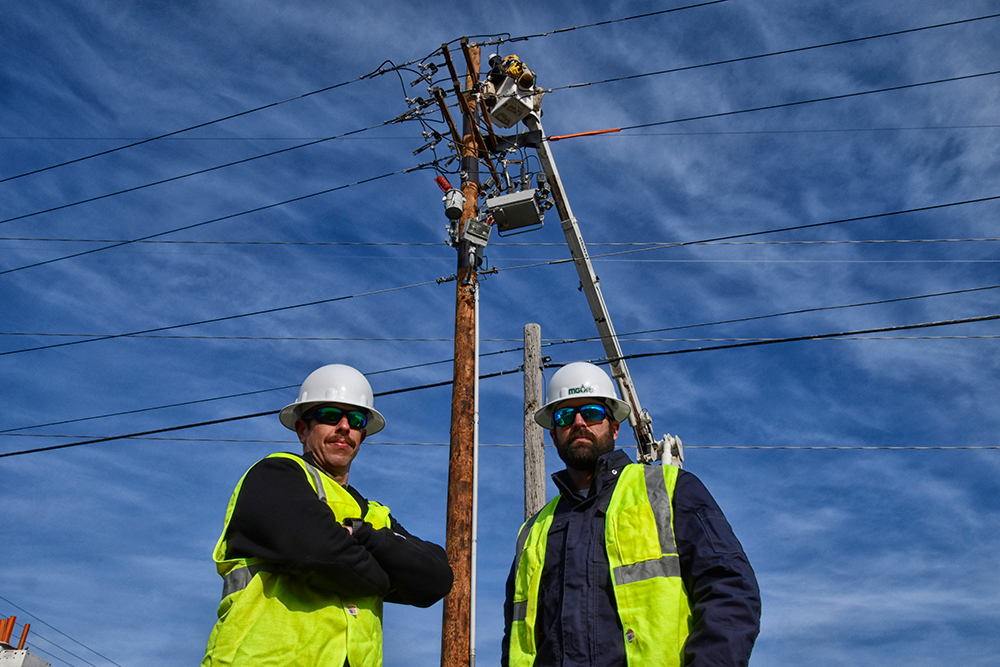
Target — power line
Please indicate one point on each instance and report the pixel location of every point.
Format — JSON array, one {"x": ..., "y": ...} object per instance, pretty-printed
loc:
[
  {"x": 828, "y": 98},
  {"x": 168, "y": 429},
  {"x": 219, "y": 319},
  {"x": 548, "y": 263},
  {"x": 777, "y": 53},
  {"x": 836, "y": 447},
  {"x": 12, "y": 433},
  {"x": 444, "y": 383},
  {"x": 371, "y": 75},
  {"x": 795, "y": 339},
  {"x": 620, "y": 136},
  {"x": 920, "y": 209},
  {"x": 441, "y": 244},
  {"x": 219, "y": 219},
  {"x": 387, "y": 443},
  {"x": 60, "y": 632},
  {"x": 817, "y": 309},
  {"x": 378, "y": 72},
  {"x": 230, "y": 419},
  {"x": 807, "y": 131},
  {"x": 524, "y": 38},
  {"x": 206, "y": 337},
  {"x": 187, "y": 175}
]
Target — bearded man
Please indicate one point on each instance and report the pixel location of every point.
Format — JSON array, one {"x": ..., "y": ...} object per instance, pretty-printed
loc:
[{"x": 631, "y": 564}]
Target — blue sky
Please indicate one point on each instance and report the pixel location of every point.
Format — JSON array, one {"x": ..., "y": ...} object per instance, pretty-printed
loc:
[{"x": 869, "y": 547}]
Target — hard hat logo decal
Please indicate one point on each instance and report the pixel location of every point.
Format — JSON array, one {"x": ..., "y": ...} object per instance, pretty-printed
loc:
[{"x": 576, "y": 380}]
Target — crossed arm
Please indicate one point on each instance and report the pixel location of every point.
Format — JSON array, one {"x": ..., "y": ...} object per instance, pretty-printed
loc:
[{"x": 279, "y": 518}]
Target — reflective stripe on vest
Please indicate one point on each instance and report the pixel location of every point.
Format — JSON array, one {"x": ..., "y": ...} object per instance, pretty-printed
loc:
[
  {"x": 649, "y": 596},
  {"x": 238, "y": 578},
  {"x": 668, "y": 565}
]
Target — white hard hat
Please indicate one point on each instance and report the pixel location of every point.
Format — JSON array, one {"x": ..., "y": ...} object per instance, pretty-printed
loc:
[
  {"x": 580, "y": 380},
  {"x": 334, "y": 383}
]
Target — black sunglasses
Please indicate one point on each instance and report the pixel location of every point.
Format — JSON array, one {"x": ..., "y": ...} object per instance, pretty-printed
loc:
[
  {"x": 591, "y": 413},
  {"x": 331, "y": 415}
]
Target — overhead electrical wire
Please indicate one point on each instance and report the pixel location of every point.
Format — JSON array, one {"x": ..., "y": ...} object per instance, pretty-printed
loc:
[
  {"x": 219, "y": 219},
  {"x": 816, "y": 309},
  {"x": 795, "y": 339},
  {"x": 524, "y": 38},
  {"x": 232, "y": 419},
  {"x": 51, "y": 656},
  {"x": 387, "y": 443},
  {"x": 396, "y": 68},
  {"x": 758, "y": 56},
  {"x": 441, "y": 244},
  {"x": 931, "y": 207},
  {"x": 827, "y": 98},
  {"x": 985, "y": 126},
  {"x": 377, "y": 72},
  {"x": 425, "y": 165},
  {"x": 224, "y": 318},
  {"x": 36, "y": 618},
  {"x": 409, "y": 115},
  {"x": 12, "y": 431},
  {"x": 728, "y": 237},
  {"x": 190, "y": 128},
  {"x": 813, "y": 131},
  {"x": 199, "y": 172},
  {"x": 922, "y": 325}
]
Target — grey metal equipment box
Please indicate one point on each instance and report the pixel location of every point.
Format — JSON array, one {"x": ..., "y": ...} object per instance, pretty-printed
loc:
[
  {"x": 518, "y": 210},
  {"x": 15, "y": 658}
]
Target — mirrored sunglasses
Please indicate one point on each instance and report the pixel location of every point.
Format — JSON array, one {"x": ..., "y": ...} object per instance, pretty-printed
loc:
[
  {"x": 331, "y": 415},
  {"x": 591, "y": 413}
]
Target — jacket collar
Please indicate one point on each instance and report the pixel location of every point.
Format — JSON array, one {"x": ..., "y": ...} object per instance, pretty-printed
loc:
[{"x": 612, "y": 462}]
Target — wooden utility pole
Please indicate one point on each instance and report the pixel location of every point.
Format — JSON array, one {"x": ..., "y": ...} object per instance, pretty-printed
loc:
[
  {"x": 534, "y": 443},
  {"x": 456, "y": 617}
]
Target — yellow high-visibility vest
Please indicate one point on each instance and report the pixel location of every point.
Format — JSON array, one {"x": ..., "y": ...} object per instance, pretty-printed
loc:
[
  {"x": 270, "y": 618},
  {"x": 652, "y": 603}
]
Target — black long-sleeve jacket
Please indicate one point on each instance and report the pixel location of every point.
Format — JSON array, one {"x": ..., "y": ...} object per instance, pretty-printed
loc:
[
  {"x": 279, "y": 518},
  {"x": 578, "y": 623}
]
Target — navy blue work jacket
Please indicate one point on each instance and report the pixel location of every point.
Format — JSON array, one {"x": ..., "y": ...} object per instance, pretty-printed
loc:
[{"x": 578, "y": 624}]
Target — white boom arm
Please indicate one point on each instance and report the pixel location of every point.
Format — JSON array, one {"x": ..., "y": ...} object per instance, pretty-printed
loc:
[{"x": 649, "y": 449}]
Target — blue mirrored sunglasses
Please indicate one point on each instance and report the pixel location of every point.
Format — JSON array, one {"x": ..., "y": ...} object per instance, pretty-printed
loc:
[
  {"x": 331, "y": 415},
  {"x": 591, "y": 413}
]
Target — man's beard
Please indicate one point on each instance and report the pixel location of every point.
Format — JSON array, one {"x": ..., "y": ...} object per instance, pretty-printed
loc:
[{"x": 584, "y": 457}]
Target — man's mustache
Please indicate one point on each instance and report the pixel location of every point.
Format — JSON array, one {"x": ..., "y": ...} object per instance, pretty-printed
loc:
[{"x": 580, "y": 432}]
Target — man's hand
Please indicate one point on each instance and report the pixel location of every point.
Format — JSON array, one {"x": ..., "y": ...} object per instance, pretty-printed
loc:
[{"x": 353, "y": 524}]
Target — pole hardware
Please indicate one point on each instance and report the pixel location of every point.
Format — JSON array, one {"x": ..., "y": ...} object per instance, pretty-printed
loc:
[
  {"x": 517, "y": 212},
  {"x": 509, "y": 95}
]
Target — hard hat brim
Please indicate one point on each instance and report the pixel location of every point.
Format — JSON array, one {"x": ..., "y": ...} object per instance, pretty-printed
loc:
[
  {"x": 620, "y": 410},
  {"x": 292, "y": 412}
]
